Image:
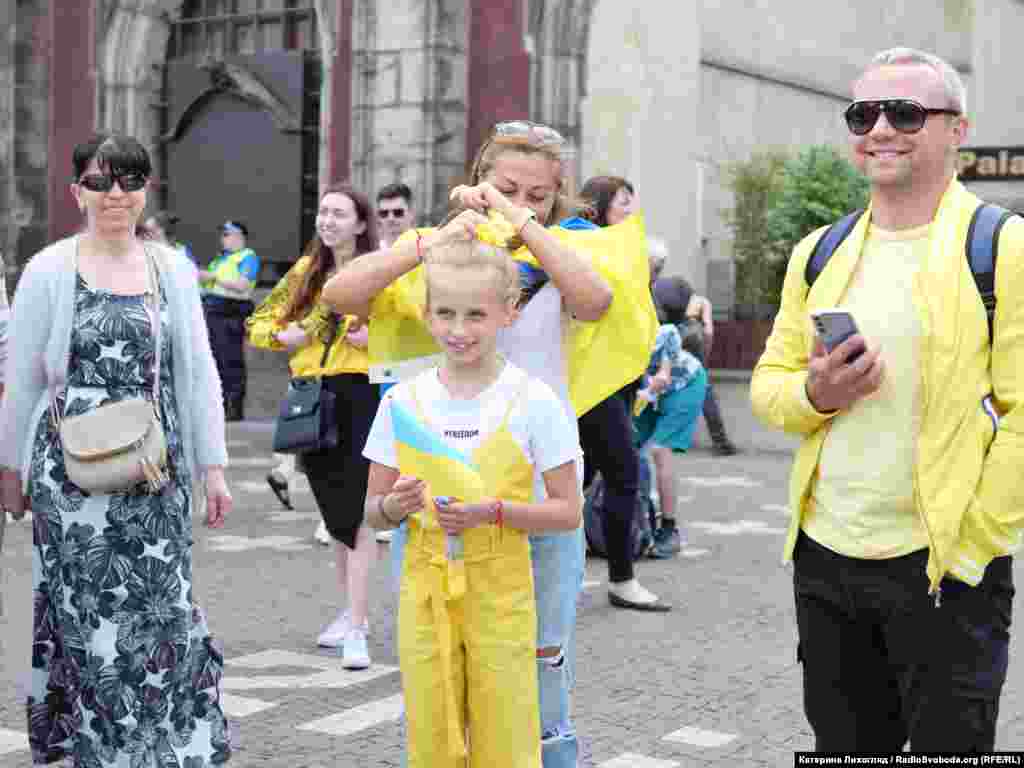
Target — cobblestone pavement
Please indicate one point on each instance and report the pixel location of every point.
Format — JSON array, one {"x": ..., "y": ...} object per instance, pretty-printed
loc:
[{"x": 714, "y": 683}]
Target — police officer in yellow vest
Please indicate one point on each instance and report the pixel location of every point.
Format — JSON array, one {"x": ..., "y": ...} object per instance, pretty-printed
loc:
[{"x": 227, "y": 285}]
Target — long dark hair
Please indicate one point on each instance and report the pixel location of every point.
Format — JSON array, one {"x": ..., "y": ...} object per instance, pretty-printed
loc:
[
  {"x": 598, "y": 194},
  {"x": 320, "y": 256}
]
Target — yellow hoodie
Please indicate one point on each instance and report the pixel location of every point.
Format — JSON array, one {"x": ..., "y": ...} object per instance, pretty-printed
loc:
[{"x": 968, "y": 484}]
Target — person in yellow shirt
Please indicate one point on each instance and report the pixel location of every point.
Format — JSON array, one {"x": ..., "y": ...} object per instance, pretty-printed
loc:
[
  {"x": 294, "y": 318},
  {"x": 479, "y": 429},
  {"x": 906, "y": 492}
]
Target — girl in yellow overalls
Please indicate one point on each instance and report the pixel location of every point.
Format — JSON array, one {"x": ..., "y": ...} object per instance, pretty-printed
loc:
[{"x": 478, "y": 429}]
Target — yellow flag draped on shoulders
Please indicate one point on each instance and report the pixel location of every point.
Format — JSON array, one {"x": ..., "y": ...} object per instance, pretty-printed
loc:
[{"x": 603, "y": 356}]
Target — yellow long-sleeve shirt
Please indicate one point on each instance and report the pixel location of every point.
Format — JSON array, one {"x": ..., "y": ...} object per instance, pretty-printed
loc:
[
  {"x": 966, "y": 472},
  {"x": 268, "y": 320}
]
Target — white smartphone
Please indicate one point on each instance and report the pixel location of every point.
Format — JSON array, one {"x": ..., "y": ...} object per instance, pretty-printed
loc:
[{"x": 834, "y": 326}]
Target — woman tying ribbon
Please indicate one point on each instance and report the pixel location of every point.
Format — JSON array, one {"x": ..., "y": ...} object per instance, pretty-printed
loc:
[{"x": 585, "y": 326}]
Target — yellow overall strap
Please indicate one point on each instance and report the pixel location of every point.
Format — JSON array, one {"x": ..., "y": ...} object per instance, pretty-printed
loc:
[{"x": 447, "y": 583}]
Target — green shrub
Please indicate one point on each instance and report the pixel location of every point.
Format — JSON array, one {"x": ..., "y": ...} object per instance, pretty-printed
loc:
[
  {"x": 778, "y": 202},
  {"x": 755, "y": 185},
  {"x": 818, "y": 186}
]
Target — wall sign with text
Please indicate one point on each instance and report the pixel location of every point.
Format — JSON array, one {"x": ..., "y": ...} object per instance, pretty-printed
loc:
[{"x": 991, "y": 164}]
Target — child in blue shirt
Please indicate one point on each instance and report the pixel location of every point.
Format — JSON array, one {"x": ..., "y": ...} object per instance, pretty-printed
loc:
[{"x": 665, "y": 418}]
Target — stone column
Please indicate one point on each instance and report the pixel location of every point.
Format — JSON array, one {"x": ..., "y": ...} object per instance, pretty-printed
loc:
[
  {"x": 334, "y": 22},
  {"x": 132, "y": 47},
  {"x": 499, "y": 68},
  {"x": 8, "y": 239},
  {"x": 28, "y": 226},
  {"x": 72, "y": 104},
  {"x": 409, "y": 98},
  {"x": 639, "y": 115},
  {"x": 557, "y": 43}
]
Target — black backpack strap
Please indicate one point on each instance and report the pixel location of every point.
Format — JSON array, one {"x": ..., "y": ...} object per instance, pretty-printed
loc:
[
  {"x": 827, "y": 245},
  {"x": 982, "y": 250}
]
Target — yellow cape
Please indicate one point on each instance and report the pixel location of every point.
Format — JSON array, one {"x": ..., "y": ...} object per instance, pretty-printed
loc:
[{"x": 603, "y": 356}]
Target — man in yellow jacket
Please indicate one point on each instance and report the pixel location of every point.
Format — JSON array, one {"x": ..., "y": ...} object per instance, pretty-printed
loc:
[{"x": 907, "y": 495}]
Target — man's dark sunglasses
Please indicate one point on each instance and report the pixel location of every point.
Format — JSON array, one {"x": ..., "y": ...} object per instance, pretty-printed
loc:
[
  {"x": 904, "y": 115},
  {"x": 385, "y": 212},
  {"x": 102, "y": 182}
]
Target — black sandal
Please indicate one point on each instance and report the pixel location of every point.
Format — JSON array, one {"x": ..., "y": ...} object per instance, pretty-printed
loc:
[{"x": 280, "y": 489}]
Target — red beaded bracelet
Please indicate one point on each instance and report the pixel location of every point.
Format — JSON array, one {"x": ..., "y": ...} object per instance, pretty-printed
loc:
[{"x": 499, "y": 513}]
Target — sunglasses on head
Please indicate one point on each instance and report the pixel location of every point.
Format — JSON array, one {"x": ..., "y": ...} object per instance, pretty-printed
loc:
[
  {"x": 904, "y": 115},
  {"x": 104, "y": 182},
  {"x": 383, "y": 213},
  {"x": 533, "y": 133}
]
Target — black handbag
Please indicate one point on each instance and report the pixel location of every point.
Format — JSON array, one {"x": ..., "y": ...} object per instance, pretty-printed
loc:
[{"x": 306, "y": 421}]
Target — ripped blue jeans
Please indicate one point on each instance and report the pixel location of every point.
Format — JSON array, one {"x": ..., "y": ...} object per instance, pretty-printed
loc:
[{"x": 558, "y": 564}]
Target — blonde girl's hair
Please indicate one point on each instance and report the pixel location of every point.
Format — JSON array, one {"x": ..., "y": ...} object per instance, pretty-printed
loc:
[{"x": 473, "y": 254}]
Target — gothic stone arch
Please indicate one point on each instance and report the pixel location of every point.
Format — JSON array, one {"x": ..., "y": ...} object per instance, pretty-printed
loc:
[
  {"x": 557, "y": 36},
  {"x": 132, "y": 39}
]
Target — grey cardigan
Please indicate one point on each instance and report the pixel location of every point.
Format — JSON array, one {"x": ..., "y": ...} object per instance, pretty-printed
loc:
[{"x": 39, "y": 339}]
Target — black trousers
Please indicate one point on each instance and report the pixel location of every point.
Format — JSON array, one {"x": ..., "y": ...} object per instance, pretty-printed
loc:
[
  {"x": 712, "y": 411},
  {"x": 882, "y": 664},
  {"x": 338, "y": 476},
  {"x": 225, "y": 322},
  {"x": 606, "y": 433}
]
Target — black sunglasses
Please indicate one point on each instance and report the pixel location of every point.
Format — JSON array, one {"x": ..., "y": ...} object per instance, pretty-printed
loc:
[
  {"x": 904, "y": 115},
  {"x": 102, "y": 182},
  {"x": 396, "y": 212}
]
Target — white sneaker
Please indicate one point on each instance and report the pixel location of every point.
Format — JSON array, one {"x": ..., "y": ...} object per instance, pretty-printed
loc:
[
  {"x": 384, "y": 536},
  {"x": 356, "y": 654},
  {"x": 334, "y": 634},
  {"x": 322, "y": 535}
]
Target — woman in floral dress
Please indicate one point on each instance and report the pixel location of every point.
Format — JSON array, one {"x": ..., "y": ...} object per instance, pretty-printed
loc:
[{"x": 125, "y": 673}]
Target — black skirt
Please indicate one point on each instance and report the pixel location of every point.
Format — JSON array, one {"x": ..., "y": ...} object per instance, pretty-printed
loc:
[{"x": 338, "y": 476}]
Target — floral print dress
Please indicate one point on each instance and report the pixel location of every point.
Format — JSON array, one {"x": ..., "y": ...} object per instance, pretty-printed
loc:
[{"x": 125, "y": 673}]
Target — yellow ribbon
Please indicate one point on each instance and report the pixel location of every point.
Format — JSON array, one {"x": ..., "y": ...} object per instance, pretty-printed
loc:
[{"x": 447, "y": 585}]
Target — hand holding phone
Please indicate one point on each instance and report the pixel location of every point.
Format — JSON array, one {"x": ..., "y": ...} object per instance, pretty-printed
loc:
[
  {"x": 835, "y": 382},
  {"x": 834, "y": 326}
]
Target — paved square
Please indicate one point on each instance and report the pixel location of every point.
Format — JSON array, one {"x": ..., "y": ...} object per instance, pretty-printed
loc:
[
  {"x": 359, "y": 718},
  {"x": 13, "y": 741},
  {"x": 698, "y": 737},
  {"x": 715, "y": 683}
]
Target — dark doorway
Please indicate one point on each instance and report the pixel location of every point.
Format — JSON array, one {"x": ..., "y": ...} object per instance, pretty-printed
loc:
[{"x": 241, "y": 130}]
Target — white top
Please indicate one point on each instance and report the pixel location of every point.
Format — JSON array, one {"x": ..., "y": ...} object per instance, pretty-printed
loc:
[
  {"x": 534, "y": 343},
  {"x": 538, "y": 421},
  {"x": 40, "y": 337}
]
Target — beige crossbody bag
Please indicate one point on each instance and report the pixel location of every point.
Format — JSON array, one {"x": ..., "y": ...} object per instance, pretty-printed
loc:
[{"x": 118, "y": 446}]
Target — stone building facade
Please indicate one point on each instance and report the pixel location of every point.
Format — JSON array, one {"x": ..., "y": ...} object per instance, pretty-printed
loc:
[{"x": 664, "y": 92}]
